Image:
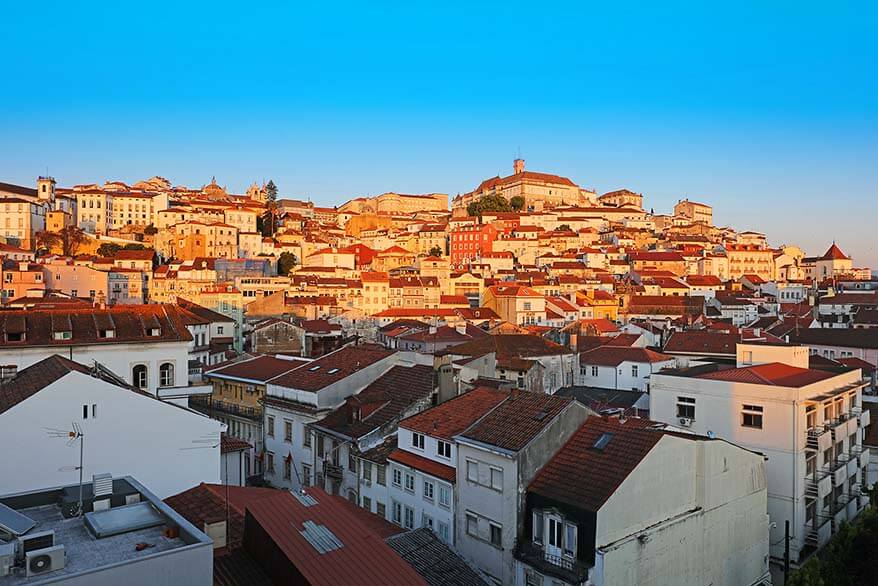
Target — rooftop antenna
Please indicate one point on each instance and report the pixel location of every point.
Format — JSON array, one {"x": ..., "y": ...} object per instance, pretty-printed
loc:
[{"x": 72, "y": 435}]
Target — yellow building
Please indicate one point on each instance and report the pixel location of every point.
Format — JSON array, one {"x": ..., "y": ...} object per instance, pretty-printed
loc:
[{"x": 696, "y": 212}]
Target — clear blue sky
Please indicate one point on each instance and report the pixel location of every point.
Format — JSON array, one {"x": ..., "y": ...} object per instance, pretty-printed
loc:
[{"x": 768, "y": 113}]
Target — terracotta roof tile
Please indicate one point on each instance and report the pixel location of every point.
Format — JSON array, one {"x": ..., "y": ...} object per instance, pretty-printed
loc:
[
  {"x": 331, "y": 368},
  {"x": 516, "y": 421},
  {"x": 423, "y": 464},
  {"x": 774, "y": 373},
  {"x": 260, "y": 369},
  {"x": 454, "y": 416}
]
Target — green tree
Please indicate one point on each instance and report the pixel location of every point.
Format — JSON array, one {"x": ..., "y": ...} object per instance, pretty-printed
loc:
[
  {"x": 285, "y": 262},
  {"x": 134, "y": 246},
  {"x": 435, "y": 251},
  {"x": 108, "y": 249},
  {"x": 150, "y": 230},
  {"x": 516, "y": 203},
  {"x": 489, "y": 203},
  {"x": 564, "y": 228},
  {"x": 271, "y": 191}
]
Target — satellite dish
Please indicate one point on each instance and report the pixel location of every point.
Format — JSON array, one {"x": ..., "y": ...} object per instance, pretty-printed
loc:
[{"x": 711, "y": 435}]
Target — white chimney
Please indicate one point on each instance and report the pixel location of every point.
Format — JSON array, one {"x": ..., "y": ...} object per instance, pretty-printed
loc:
[{"x": 8, "y": 372}]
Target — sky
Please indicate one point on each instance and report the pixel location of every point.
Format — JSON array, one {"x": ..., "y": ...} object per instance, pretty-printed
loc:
[{"x": 769, "y": 113}]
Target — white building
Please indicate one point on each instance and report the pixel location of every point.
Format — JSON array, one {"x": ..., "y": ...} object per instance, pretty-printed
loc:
[
  {"x": 145, "y": 345},
  {"x": 422, "y": 487},
  {"x": 125, "y": 432},
  {"x": 496, "y": 457},
  {"x": 621, "y": 367},
  {"x": 808, "y": 423},
  {"x": 624, "y": 503},
  {"x": 306, "y": 395}
]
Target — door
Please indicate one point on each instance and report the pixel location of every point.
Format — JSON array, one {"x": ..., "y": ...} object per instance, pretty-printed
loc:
[{"x": 554, "y": 537}]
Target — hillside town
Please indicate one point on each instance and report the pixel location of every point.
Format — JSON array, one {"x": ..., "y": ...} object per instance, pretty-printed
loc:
[{"x": 528, "y": 383}]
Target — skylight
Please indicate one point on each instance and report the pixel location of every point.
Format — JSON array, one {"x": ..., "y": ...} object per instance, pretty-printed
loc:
[
  {"x": 333, "y": 370},
  {"x": 602, "y": 441},
  {"x": 314, "y": 368}
]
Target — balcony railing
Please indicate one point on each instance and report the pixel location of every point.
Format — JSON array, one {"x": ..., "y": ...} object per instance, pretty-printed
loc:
[
  {"x": 333, "y": 471},
  {"x": 207, "y": 404},
  {"x": 570, "y": 570}
]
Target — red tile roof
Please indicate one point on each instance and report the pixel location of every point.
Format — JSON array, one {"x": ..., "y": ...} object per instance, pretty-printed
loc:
[
  {"x": 130, "y": 323},
  {"x": 454, "y": 416},
  {"x": 583, "y": 476},
  {"x": 834, "y": 253},
  {"x": 383, "y": 401},
  {"x": 260, "y": 369},
  {"x": 200, "y": 505},
  {"x": 774, "y": 373},
  {"x": 364, "y": 558},
  {"x": 320, "y": 326},
  {"x": 510, "y": 346},
  {"x": 515, "y": 422},
  {"x": 423, "y": 464},
  {"x": 232, "y": 444},
  {"x": 695, "y": 342},
  {"x": 331, "y": 368},
  {"x": 33, "y": 379}
]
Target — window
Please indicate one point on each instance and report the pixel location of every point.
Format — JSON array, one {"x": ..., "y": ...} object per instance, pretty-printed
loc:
[
  {"x": 827, "y": 412},
  {"x": 352, "y": 462},
  {"x": 443, "y": 449},
  {"x": 686, "y": 407},
  {"x": 443, "y": 531},
  {"x": 634, "y": 370},
  {"x": 427, "y": 521},
  {"x": 538, "y": 526},
  {"x": 428, "y": 490},
  {"x": 569, "y": 539},
  {"x": 288, "y": 431},
  {"x": 166, "y": 375},
  {"x": 306, "y": 475},
  {"x": 532, "y": 578},
  {"x": 85, "y": 411},
  {"x": 444, "y": 496},
  {"x": 397, "y": 477},
  {"x": 367, "y": 470},
  {"x": 827, "y": 456},
  {"x": 397, "y": 513},
  {"x": 417, "y": 441},
  {"x": 496, "y": 535},
  {"x": 288, "y": 465},
  {"x": 367, "y": 503},
  {"x": 410, "y": 482},
  {"x": 219, "y": 330},
  {"x": 269, "y": 426},
  {"x": 269, "y": 462},
  {"x": 811, "y": 466},
  {"x": 594, "y": 371},
  {"x": 139, "y": 376},
  {"x": 306, "y": 438},
  {"x": 320, "y": 450},
  {"x": 382, "y": 475},
  {"x": 94, "y": 410},
  {"x": 811, "y": 416},
  {"x": 752, "y": 416},
  {"x": 409, "y": 521},
  {"x": 472, "y": 525},
  {"x": 472, "y": 471},
  {"x": 497, "y": 479},
  {"x": 381, "y": 510}
]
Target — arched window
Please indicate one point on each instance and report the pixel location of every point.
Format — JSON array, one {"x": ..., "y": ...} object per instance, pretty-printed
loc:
[
  {"x": 139, "y": 376},
  {"x": 166, "y": 375}
]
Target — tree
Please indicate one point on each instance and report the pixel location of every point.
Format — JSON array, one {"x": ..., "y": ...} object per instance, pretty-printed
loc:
[
  {"x": 47, "y": 240},
  {"x": 285, "y": 262},
  {"x": 271, "y": 191},
  {"x": 108, "y": 249},
  {"x": 134, "y": 246},
  {"x": 71, "y": 239},
  {"x": 564, "y": 228},
  {"x": 435, "y": 251},
  {"x": 517, "y": 203},
  {"x": 489, "y": 203},
  {"x": 150, "y": 230}
]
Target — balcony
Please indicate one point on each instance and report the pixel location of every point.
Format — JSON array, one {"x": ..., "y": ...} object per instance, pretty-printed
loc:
[
  {"x": 817, "y": 438},
  {"x": 207, "y": 405},
  {"x": 333, "y": 471},
  {"x": 569, "y": 570}
]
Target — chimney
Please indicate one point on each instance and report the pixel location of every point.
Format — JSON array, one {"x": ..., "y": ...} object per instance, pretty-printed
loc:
[
  {"x": 8, "y": 372},
  {"x": 518, "y": 166},
  {"x": 573, "y": 341}
]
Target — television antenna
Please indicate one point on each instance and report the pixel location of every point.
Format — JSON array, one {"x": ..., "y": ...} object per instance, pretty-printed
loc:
[{"x": 72, "y": 435}]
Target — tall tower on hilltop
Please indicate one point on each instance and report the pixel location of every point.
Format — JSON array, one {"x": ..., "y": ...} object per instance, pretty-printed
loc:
[
  {"x": 46, "y": 188},
  {"x": 518, "y": 166}
]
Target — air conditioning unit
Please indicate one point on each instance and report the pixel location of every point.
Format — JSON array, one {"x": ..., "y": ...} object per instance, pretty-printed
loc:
[
  {"x": 685, "y": 422},
  {"x": 43, "y": 561}
]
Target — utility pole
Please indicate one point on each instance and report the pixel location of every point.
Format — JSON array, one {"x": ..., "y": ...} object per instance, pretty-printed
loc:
[{"x": 786, "y": 552}]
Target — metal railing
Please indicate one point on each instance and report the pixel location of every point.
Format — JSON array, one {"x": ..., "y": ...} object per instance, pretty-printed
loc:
[
  {"x": 206, "y": 404},
  {"x": 569, "y": 569}
]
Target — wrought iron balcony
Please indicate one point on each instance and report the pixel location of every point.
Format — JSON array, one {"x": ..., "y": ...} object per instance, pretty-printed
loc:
[
  {"x": 208, "y": 404},
  {"x": 568, "y": 569},
  {"x": 333, "y": 471}
]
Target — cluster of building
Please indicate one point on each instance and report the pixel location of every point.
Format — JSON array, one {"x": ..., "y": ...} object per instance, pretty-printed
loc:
[{"x": 568, "y": 390}]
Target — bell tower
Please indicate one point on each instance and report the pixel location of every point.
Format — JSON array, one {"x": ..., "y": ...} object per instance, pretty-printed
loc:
[{"x": 46, "y": 188}]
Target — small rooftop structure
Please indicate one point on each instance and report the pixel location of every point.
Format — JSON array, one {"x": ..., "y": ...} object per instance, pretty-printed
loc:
[{"x": 125, "y": 536}]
